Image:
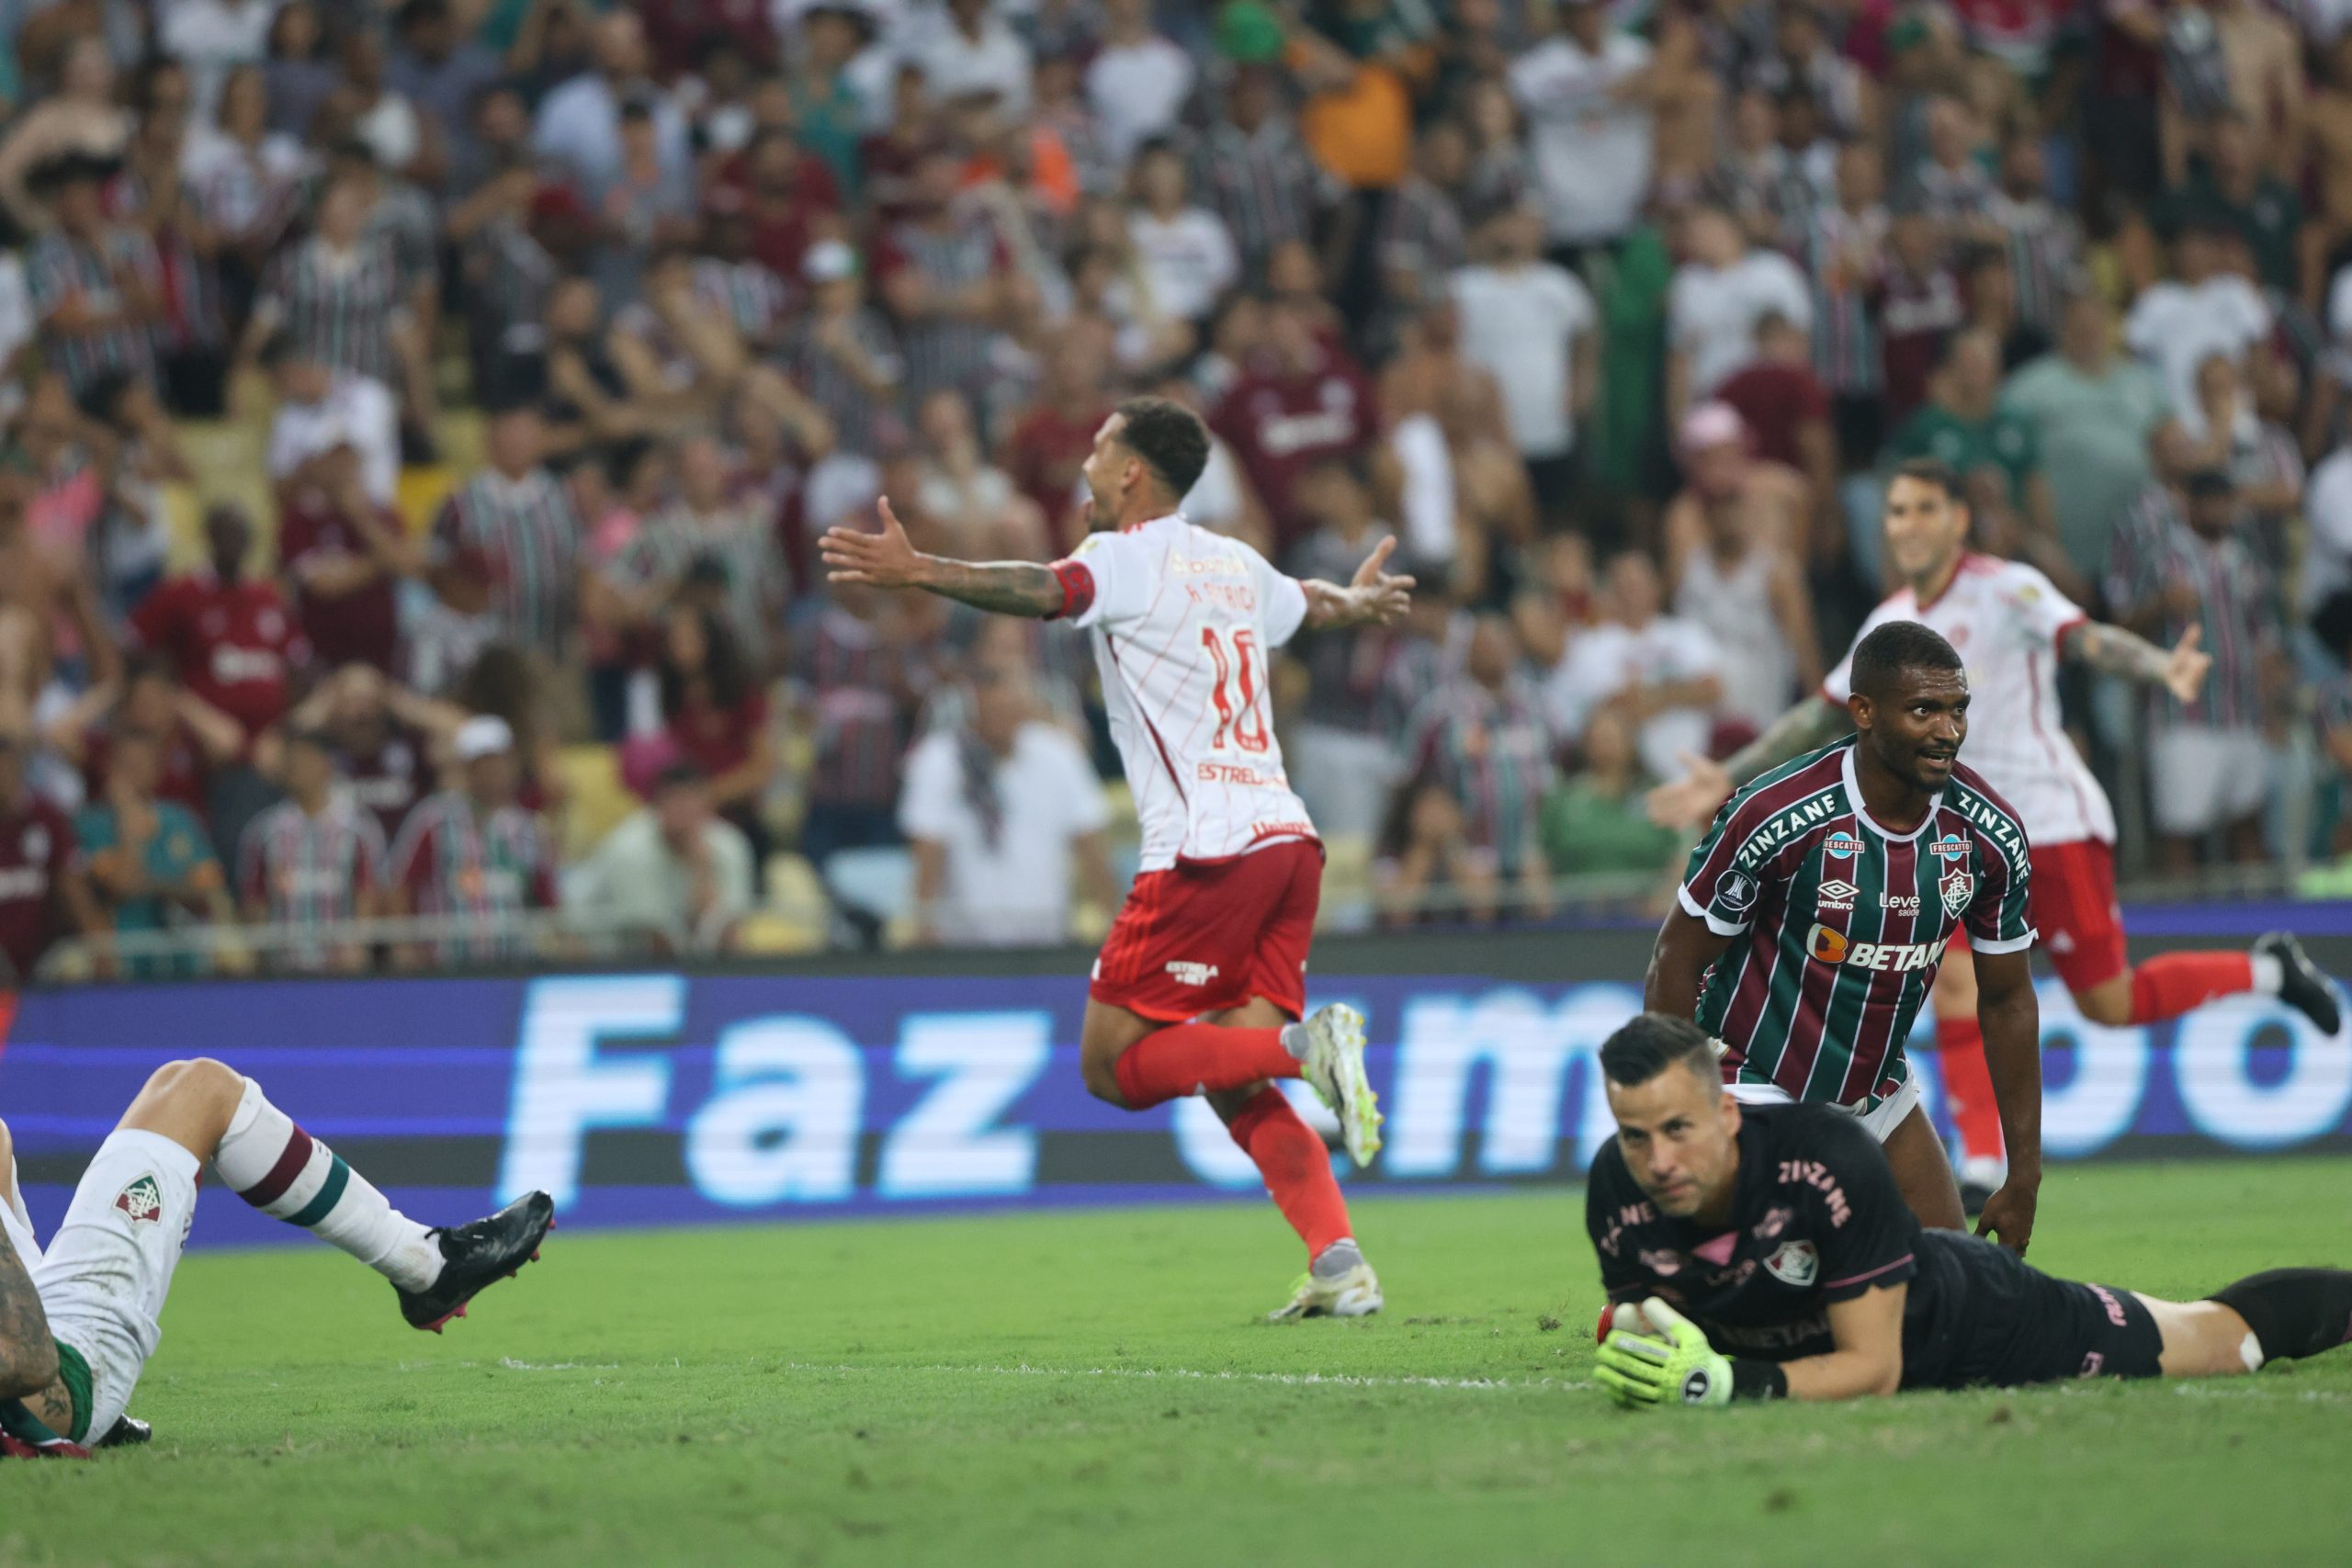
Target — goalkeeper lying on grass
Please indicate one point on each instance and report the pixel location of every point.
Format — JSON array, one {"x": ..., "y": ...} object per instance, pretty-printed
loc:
[
  {"x": 1763, "y": 1252},
  {"x": 78, "y": 1323}
]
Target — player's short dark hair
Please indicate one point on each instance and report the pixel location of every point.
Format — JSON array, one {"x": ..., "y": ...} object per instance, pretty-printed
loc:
[
  {"x": 1169, "y": 437},
  {"x": 1931, "y": 471},
  {"x": 1897, "y": 646},
  {"x": 1649, "y": 1042}
]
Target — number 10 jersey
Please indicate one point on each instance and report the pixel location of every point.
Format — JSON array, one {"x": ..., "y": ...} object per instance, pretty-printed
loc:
[{"x": 1187, "y": 622}]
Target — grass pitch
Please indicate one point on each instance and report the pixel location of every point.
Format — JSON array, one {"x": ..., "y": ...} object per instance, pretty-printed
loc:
[{"x": 1093, "y": 1387}]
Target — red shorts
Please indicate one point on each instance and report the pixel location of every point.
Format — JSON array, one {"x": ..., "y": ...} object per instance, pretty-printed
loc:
[
  {"x": 1202, "y": 936},
  {"x": 2074, "y": 908}
]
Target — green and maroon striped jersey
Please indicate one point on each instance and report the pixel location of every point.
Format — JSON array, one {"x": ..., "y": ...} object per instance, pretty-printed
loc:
[{"x": 1838, "y": 925}]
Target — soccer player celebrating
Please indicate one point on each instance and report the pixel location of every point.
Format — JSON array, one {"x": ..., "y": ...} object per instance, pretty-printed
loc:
[
  {"x": 78, "y": 1323},
  {"x": 2013, "y": 625},
  {"x": 1815, "y": 911},
  {"x": 1200, "y": 983},
  {"x": 1763, "y": 1252}
]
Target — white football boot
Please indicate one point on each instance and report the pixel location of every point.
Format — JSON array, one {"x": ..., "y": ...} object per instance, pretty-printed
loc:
[
  {"x": 1333, "y": 1062},
  {"x": 1340, "y": 1284}
]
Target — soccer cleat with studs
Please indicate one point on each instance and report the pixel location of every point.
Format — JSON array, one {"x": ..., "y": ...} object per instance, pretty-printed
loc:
[
  {"x": 1333, "y": 1067},
  {"x": 476, "y": 1256},
  {"x": 2302, "y": 985}
]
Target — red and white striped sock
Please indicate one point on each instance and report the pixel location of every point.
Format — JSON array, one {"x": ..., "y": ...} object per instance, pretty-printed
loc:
[{"x": 286, "y": 1174}]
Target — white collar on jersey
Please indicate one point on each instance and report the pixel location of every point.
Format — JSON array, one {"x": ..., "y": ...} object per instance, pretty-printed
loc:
[
  {"x": 1149, "y": 522},
  {"x": 1854, "y": 798}
]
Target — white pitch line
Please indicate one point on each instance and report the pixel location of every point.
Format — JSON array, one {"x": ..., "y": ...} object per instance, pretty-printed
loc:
[{"x": 1286, "y": 1380}]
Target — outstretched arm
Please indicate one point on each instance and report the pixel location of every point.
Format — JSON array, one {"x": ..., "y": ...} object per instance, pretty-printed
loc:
[
  {"x": 2113, "y": 650},
  {"x": 887, "y": 560},
  {"x": 1688, "y": 802},
  {"x": 2011, "y": 1020},
  {"x": 1372, "y": 595}
]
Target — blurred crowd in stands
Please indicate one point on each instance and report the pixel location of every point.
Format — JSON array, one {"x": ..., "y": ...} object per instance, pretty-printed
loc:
[{"x": 418, "y": 416}]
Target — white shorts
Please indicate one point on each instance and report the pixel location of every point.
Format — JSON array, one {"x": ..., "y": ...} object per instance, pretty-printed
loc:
[
  {"x": 2202, "y": 779},
  {"x": 1879, "y": 1121},
  {"x": 103, "y": 1279}
]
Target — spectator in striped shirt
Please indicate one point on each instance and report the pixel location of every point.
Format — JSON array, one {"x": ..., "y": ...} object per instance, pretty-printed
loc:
[
  {"x": 868, "y": 666},
  {"x": 1255, "y": 173},
  {"x": 338, "y": 296},
  {"x": 941, "y": 272},
  {"x": 841, "y": 353},
  {"x": 2044, "y": 242},
  {"x": 2208, "y": 760},
  {"x": 706, "y": 524},
  {"x": 473, "y": 856},
  {"x": 316, "y": 859},
  {"x": 96, "y": 285},
  {"x": 522, "y": 520}
]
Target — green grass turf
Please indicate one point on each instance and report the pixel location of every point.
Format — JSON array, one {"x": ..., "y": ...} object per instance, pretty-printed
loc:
[{"x": 1093, "y": 1387}]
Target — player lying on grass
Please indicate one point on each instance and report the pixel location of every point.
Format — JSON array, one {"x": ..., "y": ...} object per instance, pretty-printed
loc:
[
  {"x": 78, "y": 1323},
  {"x": 1816, "y": 912},
  {"x": 1202, "y": 983},
  {"x": 1762, "y": 1252}
]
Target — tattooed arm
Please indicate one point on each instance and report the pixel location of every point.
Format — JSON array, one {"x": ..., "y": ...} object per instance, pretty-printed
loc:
[
  {"x": 1688, "y": 802},
  {"x": 2112, "y": 650},
  {"x": 28, "y": 1355},
  {"x": 888, "y": 561}
]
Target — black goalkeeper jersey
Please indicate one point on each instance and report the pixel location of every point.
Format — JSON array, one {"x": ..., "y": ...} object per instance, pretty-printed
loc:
[{"x": 1815, "y": 1219}]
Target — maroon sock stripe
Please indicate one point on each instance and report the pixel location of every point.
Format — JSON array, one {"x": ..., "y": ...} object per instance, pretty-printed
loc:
[{"x": 271, "y": 1188}]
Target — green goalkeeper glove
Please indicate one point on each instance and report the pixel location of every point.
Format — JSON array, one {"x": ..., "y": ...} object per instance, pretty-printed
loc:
[{"x": 1673, "y": 1365}]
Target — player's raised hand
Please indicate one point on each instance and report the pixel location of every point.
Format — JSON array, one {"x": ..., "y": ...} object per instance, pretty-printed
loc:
[
  {"x": 885, "y": 560},
  {"x": 1382, "y": 598},
  {"x": 2186, "y": 665},
  {"x": 2008, "y": 1216},
  {"x": 1688, "y": 802}
]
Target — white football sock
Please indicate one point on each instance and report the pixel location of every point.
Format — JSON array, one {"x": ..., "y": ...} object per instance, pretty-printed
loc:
[
  {"x": 2269, "y": 974},
  {"x": 286, "y": 1174}
]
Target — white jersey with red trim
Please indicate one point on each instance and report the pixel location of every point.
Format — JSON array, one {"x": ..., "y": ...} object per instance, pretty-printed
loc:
[
  {"x": 2006, "y": 621},
  {"x": 1186, "y": 622}
]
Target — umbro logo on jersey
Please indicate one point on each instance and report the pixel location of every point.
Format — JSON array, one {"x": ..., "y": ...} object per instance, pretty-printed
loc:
[
  {"x": 1842, "y": 845},
  {"x": 1185, "y": 974},
  {"x": 1951, "y": 847},
  {"x": 1835, "y": 894}
]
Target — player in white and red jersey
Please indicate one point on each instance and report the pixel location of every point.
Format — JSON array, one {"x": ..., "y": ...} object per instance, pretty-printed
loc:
[
  {"x": 1200, "y": 987},
  {"x": 2012, "y": 626}
]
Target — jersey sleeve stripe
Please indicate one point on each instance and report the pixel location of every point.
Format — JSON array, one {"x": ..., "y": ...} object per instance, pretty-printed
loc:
[
  {"x": 2011, "y": 944},
  {"x": 1715, "y": 924},
  {"x": 1866, "y": 1274}
]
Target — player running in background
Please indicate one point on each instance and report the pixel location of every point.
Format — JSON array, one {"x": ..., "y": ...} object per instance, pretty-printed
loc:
[
  {"x": 1816, "y": 910},
  {"x": 79, "y": 1322},
  {"x": 2013, "y": 627},
  {"x": 1200, "y": 985},
  {"x": 1763, "y": 1252}
]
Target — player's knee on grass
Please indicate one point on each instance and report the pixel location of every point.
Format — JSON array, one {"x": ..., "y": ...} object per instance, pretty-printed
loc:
[
  {"x": 2109, "y": 1003},
  {"x": 2202, "y": 1339},
  {"x": 190, "y": 1102},
  {"x": 1100, "y": 1071}
]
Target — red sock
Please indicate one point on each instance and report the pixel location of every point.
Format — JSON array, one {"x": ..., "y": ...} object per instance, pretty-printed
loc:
[
  {"x": 1199, "y": 1058},
  {"x": 1298, "y": 1169},
  {"x": 2169, "y": 986},
  {"x": 1968, "y": 1085}
]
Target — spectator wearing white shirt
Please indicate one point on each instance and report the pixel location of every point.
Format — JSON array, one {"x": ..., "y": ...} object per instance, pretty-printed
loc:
[
  {"x": 976, "y": 52},
  {"x": 673, "y": 867},
  {"x": 1663, "y": 673},
  {"x": 1532, "y": 325},
  {"x": 2327, "y": 551},
  {"x": 579, "y": 124},
  {"x": 1136, "y": 82},
  {"x": 318, "y": 410},
  {"x": 998, "y": 811},
  {"x": 2205, "y": 310},
  {"x": 1185, "y": 253},
  {"x": 1589, "y": 125},
  {"x": 1720, "y": 296},
  {"x": 212, "y": 38}
]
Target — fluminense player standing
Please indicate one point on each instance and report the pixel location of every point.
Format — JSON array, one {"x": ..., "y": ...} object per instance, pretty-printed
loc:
[
  {"x": 2012, "y": 626},
  {"x": 1816, "y": 911},
  {"x": 1199, "y": 987}
]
